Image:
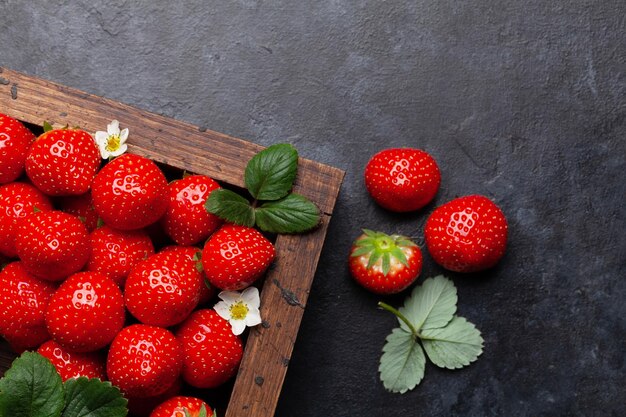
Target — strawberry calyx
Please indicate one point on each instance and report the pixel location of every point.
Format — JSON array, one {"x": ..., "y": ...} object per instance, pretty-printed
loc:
[{"x": 382, "y": 248}]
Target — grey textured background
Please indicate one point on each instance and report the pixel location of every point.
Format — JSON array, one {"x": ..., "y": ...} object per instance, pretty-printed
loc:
[{"x": 523, "y": 101}]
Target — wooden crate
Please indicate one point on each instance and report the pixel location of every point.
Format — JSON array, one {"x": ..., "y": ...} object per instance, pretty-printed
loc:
[{"x": 286, "y": 288}]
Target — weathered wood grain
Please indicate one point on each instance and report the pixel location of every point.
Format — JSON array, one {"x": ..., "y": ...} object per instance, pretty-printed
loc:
[{"x": 286, "y": 287}]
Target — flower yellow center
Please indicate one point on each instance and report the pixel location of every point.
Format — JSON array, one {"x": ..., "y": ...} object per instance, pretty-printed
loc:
[
  {"x": 239, "y": 310},
  {"x": 113, "y": 144}
]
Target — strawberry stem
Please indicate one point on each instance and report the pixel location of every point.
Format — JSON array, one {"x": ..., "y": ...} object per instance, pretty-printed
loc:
[{"x": 401, "y": 316}]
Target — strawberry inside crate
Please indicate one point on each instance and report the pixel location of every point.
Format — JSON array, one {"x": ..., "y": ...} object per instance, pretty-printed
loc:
[{"x": 179, "y": 147}]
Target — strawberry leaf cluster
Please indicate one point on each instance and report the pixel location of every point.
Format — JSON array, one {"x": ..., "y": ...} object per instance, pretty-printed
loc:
[
  {"x": 33, "y": 388},
  {"x": 427, "y": 316},
  {"x": 269, "y": 178}
]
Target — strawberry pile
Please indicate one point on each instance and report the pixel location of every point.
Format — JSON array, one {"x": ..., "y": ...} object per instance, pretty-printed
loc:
[{"x": 90, "y": 283}]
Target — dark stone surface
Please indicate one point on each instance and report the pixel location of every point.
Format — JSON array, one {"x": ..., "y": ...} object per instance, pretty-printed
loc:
[{"x": 524, "y": 102}]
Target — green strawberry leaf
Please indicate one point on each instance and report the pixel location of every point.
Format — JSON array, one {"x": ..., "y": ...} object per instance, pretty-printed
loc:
[
  {"x": 31, "y": 387},
  {"x": 430, "y": 305},
  {"x": 402, "y": 363},
  {"x": 292, "y": 214},
  {"x": 93, "y": 398},
  {"x": 270, "y": 173},
  {"x": 231, "y": 207},
  {"x": 47, "y": 126},
  {"x": 454, "y": 346}
]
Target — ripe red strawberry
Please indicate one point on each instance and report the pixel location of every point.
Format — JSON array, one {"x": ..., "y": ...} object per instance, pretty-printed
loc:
[
  {"x": 402, "y": 179},
  {"x": 130, "y": 192},
  {"x": 73, "y": 364},
  {"x": 115, "y": 252},
  {"x": 211, "y": 352},
  {"x": 80, "y": 206},
  {"x": 236, "y": 256},
  {"x": 86, "y": 312},
  {"x": 63, "y": 162},
  {"x": 23, "y": 302},
  {"x": 186, "y": 220},
  {"x": 163, "y": 289},
  {"x": 467, "y": 234},
  {"x": 144, "y": 361},
  {"x": 17, "y": 200},
  {"x": 207, "y": 292},
  {"x": 384, "y": 264},
  {"x": 52, "y": 244},
  {"x": 15, "y": 142},
  {"x": 183, "y": 407}
]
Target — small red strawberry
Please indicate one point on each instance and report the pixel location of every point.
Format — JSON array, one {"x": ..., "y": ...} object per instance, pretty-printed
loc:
[
  {"x": 212, "y": 353},
  {"x": 186, "y": 220},
  {"x": 73, "y": 364},
  {"x": 144, "y": 361},
  {"x": 52, "y": 244},
  {"x": 236, "y": 256},
  {"x": 384, "y": 264},
  {"x": 63, "y": 162},
  {"x": 163, "y": 289},
  {"x": 467, "y": 234},
  {"x": 17, "y": 200},
  {"x": 15, "y": 142},
  {"x": 194, "y": 254},
  {"x": 86, "y": 312},
  {"x": 130, "y": 192},
  {"x": 183, "y": 407},
  {"x": 80, "y": 206},
  {"x": 115, "y": 252},
  {"x": 402, "y": 179},
  {"x": 23, "y": 302}
]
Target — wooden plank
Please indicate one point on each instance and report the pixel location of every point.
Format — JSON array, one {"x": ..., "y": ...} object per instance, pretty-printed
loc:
[
  {"x": 287, "y": 285},
  {"x": 157, "y": 137},
  {"x": 269, "y": 347}
]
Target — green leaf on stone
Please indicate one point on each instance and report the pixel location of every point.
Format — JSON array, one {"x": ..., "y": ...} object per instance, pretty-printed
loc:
[
  {"x": 402, "y": 363},
  {"x": 454, "y": 346},
  {"x": 430, "y": 305}
]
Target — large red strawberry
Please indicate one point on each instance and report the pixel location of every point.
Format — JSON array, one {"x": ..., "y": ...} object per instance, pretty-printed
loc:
[
  {"x": 130, "y": 192},
  {"x": 74, "y": 364},
  {"x": 195, "y": 255},
  {"x": 186, "y": 220},
  {"x": 163, "y": 289},
  {"x": 183, "y": 407},
  {"x": 236, "y": 256},
  {"x": 384, "y": 264},
  {"x": 115, "y": 252},
  {"x": 144, "y": 361},
  {"x": 212, "y": 353},
  {"x": 15, "y": 142},
  {"x": 63, "y": 162},
  {"x": 23, "y": 302},
  {"x": 80, "y": 206},
  {"x": 402, "y": 179},
  {"x": 52, "y": 244},
  {"x": 17, "y": 200},
  {"x": 86, "y": 312},
  {"x": 467, "y": 234}
]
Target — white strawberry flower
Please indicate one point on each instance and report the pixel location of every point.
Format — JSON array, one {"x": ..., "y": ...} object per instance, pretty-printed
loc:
[
  {"x": 112, "y": 142},
  {"x": 240, "y": 309}
]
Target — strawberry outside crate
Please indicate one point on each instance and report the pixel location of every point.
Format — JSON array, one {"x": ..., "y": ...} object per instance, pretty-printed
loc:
[{"x": 186, "y": 147}]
